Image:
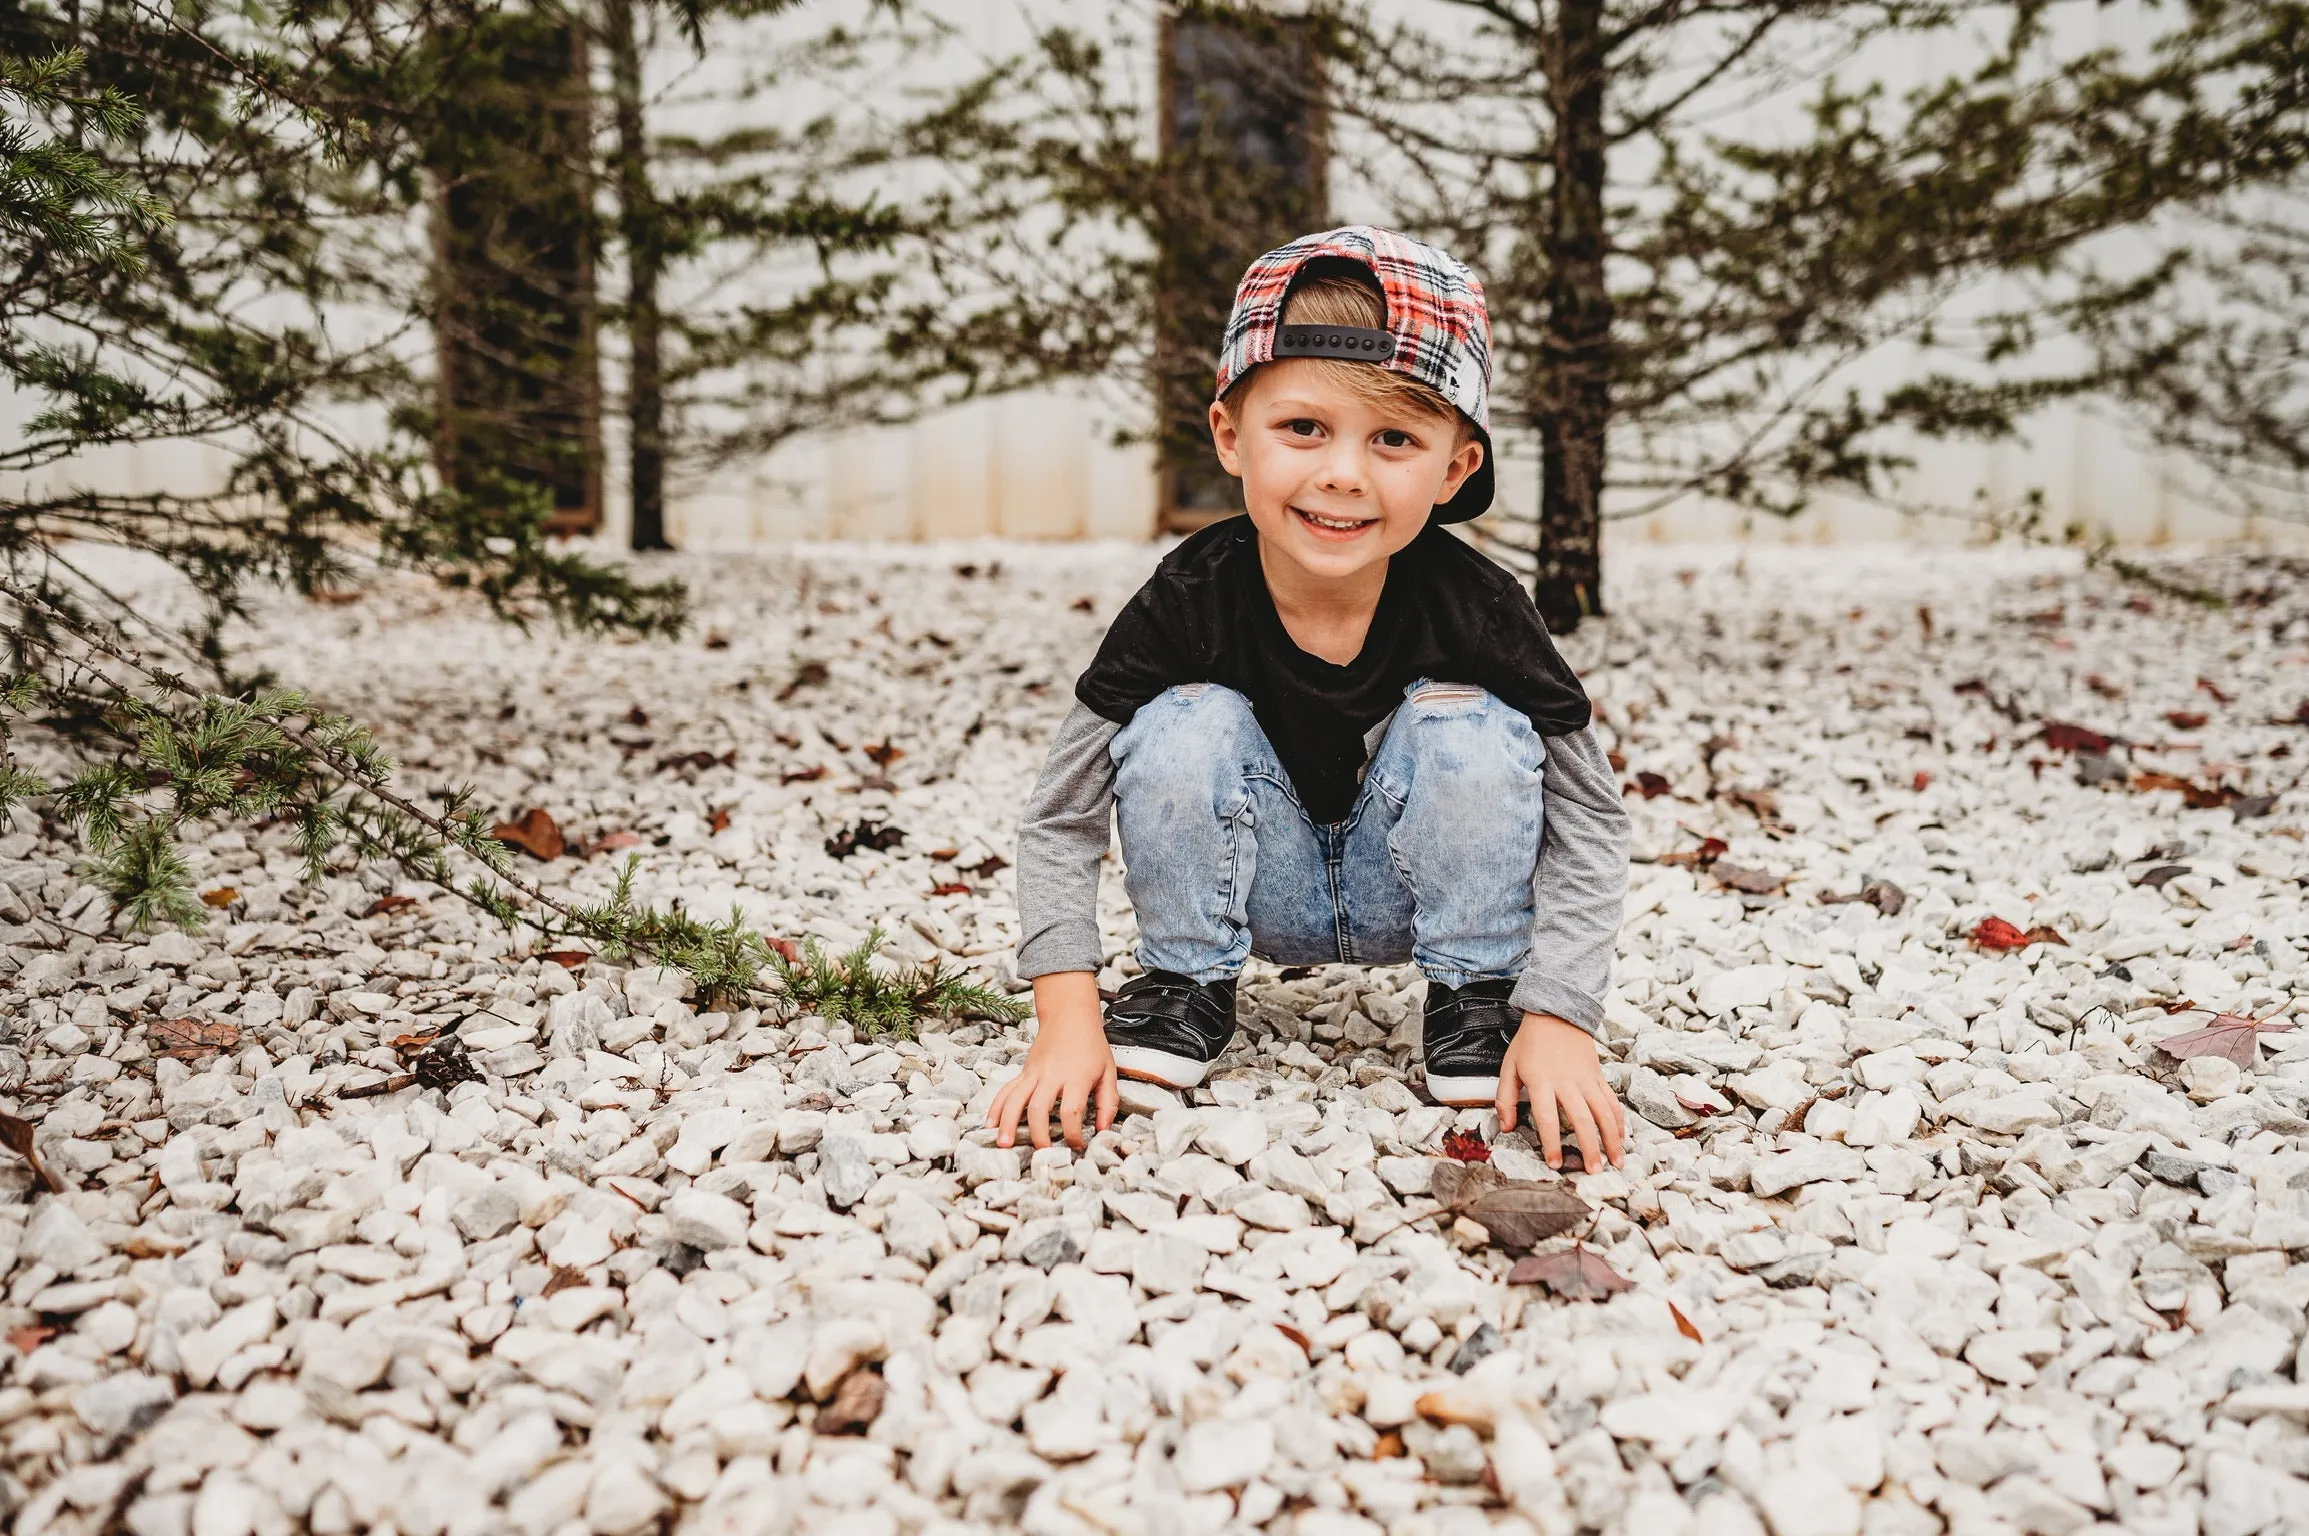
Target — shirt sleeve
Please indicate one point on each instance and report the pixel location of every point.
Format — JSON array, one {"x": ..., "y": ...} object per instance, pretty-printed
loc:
[
  {"x": 1579, "y": 886},
  {"x": 1062, "y": 834}
]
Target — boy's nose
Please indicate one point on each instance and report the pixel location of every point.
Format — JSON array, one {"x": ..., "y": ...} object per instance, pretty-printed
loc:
[{"x": 1342, "y": 471}]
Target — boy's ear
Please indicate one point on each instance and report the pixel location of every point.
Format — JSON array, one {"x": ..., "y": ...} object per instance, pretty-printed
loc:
[
  {"x": 1464, "y": 462},
  {"x": 1226, "y": 439}
]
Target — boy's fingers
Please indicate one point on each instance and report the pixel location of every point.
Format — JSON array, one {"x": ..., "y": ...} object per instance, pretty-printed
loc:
[
  {"x": 1038, "y": 1114},
  {"x": 1109, "y": 1097},
  {"x": 1071, "y": 1106},
  {"x": 1591, "y": 1153},
  {"x": 1550, "y": 1138},
  {"x": 1509, "y": 1091},
  {"x": 1001, "y": 1115},
  {"x": 1615, "y": 1124}
]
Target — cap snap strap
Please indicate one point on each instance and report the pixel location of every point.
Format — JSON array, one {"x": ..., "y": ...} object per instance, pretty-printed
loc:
[{"x": 1348, "y": 341}]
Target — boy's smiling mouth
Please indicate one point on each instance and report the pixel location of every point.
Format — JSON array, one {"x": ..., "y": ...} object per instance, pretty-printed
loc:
[{"x": 1333, "y": 527}]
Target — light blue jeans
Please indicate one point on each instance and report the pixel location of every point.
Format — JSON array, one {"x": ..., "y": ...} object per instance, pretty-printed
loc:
[{"x": 1434, "y": 863}]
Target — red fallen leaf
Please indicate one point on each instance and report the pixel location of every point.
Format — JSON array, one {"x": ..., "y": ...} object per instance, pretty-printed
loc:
[
  {"x": 719, "y": 821},
  {"x": 223, "y": 896},
  {"x": 1922, "y": 781},
  {"x": 1651, "y": 785},
  {"x": 1684, "y": 1324},
  {"x": 1707, "y": 853},
  {"x": 1083, "y": 605},
  {"x": 883, "y": 753},
  {"x": 803, "y": 775},
  {"x": 1465, "y": 1147},
  {"x": 1306, "y": 1346},
  {"x": 2185, "y": 719},
  {"x": 951, "y": 888},
  {"x": 2207, "y": 685},
  {"x": 1577, "y": 1273},
  {"x": 535, "y": 834},
  {"x": 1996, "y": 933},
  {"x": 941, "y": 855},
  {"x": 787, "y": 949},
  {"x": 191, "y": 1037},
  {"x": 988, "y": 867},
  {"x": 567, "y": 959},
  {"x": 2063, "y": 737},
  {"x": 30, "y": 1337},
  {"x": 2230, "y": 1035},
  {"x": 1617, "y": 759},
  {"x": 393, "y": 903}
]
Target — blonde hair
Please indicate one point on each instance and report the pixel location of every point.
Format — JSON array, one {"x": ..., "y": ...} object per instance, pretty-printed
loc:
[{"x": 1329, "y": 300}]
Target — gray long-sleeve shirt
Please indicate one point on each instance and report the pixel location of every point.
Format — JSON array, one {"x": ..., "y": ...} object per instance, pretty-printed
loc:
[{"x": 1579, "y": 883}]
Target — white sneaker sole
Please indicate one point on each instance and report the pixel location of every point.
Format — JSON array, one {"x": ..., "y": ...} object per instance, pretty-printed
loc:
[
  {"x": 1153, "y": 1066},
  {"x": 1464, "y": 1092}
]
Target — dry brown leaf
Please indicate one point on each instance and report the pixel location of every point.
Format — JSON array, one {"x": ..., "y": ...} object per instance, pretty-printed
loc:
[
  {"x": 803, "y": 775},
  {"x": 1710, "y": 850},
  {"x": 16, "y": 1135},
  {"x": 857, "y": 1404},
  {"x": 562, "y": 1279},
  {"x": 1684, "y": 1324},
  {"x": 1738, "y": 877},
  {"x": 883, "y": 753},
  {"x": 191, "y": 1037},
  {"x": 1521, "y": 1215},
  {"x": 2186, "y": 719},
  {"x": 220, "y": 898},
  {"x": 951, "y": 888},
  {"x": 2233, "y": 1036},
  {"x": 1306, "y": 1345},
  {"x": 534, "y": 833},
  {"x": 567, "y": 959},
  {"x": 719, "y": 821},
  {"x": 1456, "y": 1185},
  {"x": 1577, "y": 1273}
]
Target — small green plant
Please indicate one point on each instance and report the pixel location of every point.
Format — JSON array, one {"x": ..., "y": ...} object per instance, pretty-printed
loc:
[{"x": 849, "y": 987}]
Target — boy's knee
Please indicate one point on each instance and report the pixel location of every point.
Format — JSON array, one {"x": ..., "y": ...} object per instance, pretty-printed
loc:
[
  {"x": 1464, "y": 732},
  {"x": 1188, "y": 731}
]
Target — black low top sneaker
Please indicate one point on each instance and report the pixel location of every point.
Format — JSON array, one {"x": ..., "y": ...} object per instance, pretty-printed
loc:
[
  {"x": 1165, "y": 1028},
  {"x": 1466, "y": 1035}
]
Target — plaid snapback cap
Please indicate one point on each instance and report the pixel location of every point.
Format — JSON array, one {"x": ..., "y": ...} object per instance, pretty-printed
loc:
[{"x": 1437, "y": 330}]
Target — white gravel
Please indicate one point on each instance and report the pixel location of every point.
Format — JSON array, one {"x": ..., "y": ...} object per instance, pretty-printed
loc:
[{"x": 1921, "y": 1235}]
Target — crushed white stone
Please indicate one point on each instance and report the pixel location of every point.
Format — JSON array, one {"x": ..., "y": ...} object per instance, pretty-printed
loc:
[{"x": 1957, "y": 1253}]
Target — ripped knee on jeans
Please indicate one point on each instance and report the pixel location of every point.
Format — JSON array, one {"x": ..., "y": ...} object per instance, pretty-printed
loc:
[{"x": 1447, "y": 693}]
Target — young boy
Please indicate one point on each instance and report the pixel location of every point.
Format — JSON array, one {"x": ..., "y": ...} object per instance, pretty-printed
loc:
[{"x": 1333, "y": 732}]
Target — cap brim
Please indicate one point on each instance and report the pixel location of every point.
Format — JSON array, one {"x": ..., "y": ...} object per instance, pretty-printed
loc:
[{"x": 1474, "y": 497}]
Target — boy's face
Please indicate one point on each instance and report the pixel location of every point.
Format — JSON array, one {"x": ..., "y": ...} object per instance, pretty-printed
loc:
[{"x": 1334, "y": 482}]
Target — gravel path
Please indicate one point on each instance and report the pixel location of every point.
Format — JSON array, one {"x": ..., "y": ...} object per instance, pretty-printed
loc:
[{"x": 1923, "y": 1233}]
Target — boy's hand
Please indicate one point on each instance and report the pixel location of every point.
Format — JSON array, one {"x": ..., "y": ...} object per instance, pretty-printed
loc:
[
  {"x": 1555, "y": 1062},
  {"x": 1068, "y": 1067}
]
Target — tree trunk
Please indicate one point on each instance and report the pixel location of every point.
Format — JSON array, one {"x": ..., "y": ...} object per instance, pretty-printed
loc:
[
  {"x": 645, "y": 380},
  {"x": 1575, "y": 351}
]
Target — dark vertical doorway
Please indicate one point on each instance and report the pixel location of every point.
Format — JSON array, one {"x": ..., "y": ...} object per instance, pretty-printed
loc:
[{"x": 1244, "y": 155}]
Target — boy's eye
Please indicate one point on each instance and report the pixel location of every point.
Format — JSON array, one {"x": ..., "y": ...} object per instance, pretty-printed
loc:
[
  {"x": 1302, "y": 426},
  {"x": 1394, "y": 437}
]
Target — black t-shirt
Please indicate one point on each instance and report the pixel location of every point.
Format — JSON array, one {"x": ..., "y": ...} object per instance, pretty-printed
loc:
[{"x": 1446, "y": 612}]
